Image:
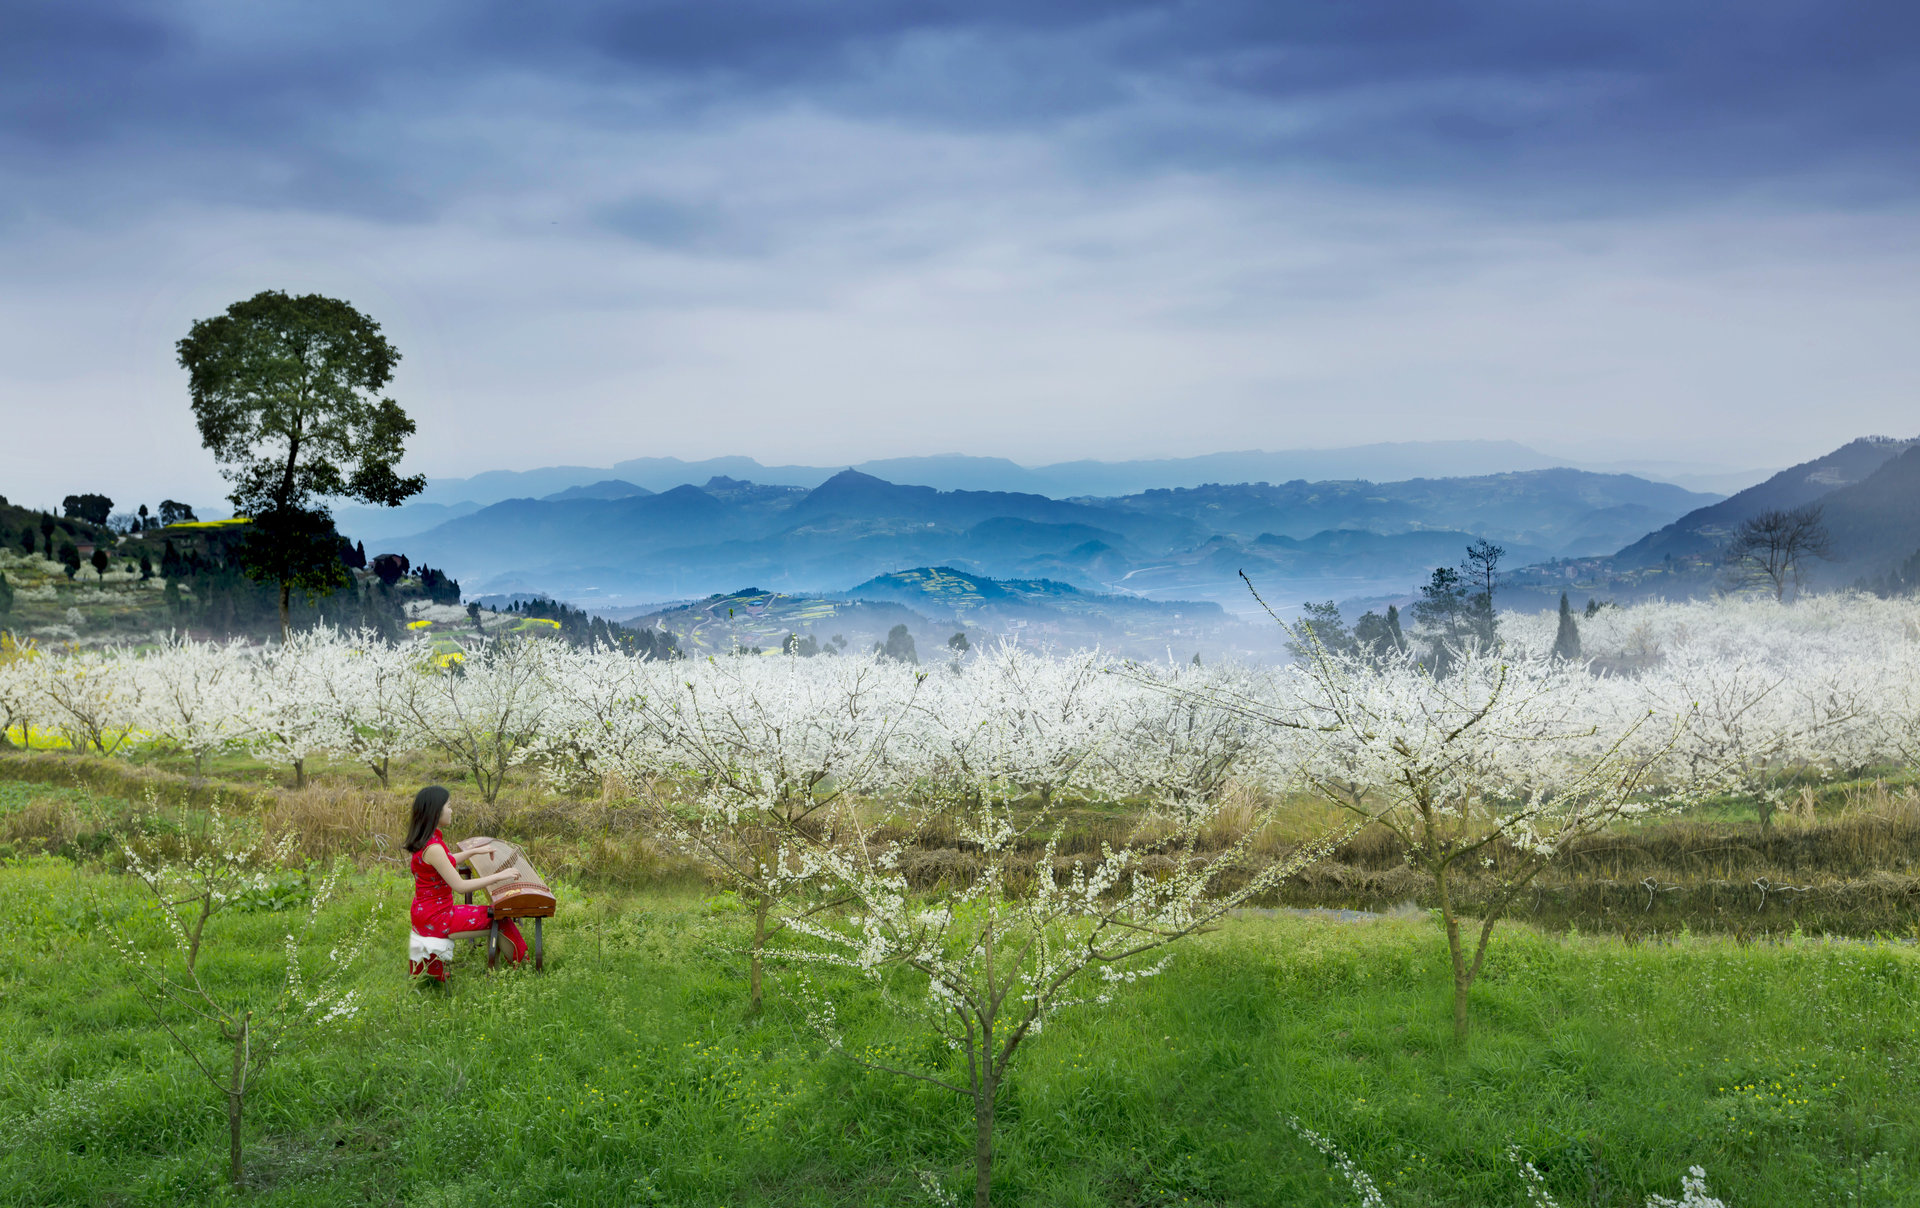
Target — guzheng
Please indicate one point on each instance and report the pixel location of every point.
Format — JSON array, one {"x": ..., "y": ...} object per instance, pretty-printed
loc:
[{"x": 528, "y": 898}]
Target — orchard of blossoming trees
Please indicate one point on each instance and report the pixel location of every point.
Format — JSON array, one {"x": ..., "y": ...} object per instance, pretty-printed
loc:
[
  {"x": 809, "y": 785},
  {"x": 1754, "y": 689}
]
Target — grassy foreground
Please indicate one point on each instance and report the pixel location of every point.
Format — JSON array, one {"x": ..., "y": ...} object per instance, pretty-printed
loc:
[{"x": 629, "y": 1073}]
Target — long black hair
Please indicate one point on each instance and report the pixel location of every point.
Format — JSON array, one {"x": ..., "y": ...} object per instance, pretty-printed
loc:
[{"x": 427, "y": 804}]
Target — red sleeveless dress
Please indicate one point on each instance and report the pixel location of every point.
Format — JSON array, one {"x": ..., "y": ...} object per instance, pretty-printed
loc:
[{"x": 434, "y": 912}]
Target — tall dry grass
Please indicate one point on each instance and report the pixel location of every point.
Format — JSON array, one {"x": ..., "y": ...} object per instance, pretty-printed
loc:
[{"x": 1840, "y": 858}]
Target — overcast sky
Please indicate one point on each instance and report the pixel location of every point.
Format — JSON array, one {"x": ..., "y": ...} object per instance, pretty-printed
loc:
[{"x": 820, "y": 233}]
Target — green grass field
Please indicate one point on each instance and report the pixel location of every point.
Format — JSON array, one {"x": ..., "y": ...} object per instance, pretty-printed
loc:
[{"x": 630, "y": 1072}]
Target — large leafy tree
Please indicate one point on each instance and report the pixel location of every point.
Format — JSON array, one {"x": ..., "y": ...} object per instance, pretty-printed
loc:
[
  {"x": 94, "y": 509},
  {"x": 286, "y": 391}
]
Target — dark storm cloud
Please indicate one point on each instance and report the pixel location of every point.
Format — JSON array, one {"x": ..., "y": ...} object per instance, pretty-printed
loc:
[
  {"x": 821, "y": 232},
  {"x": 359, "y": 109}
]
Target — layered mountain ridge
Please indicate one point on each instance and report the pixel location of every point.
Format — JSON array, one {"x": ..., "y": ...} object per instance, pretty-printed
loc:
[{"x": 1328, "y": 538}]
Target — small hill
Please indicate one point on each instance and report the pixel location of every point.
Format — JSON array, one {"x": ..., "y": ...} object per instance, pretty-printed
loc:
[
  {"x": 961, "y": 592},
  {"x": 937, "y": 602}
]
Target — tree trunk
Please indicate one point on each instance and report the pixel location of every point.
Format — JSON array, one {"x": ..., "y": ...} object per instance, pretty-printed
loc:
[
  {"x": 380, "y": 770},
  {"x": 300, "y": 774},
  {"x": 199, "y": 926},
  {"x": 983, "y": 1137},
  {"x": 236, "y": 1092},
  {"x": 759, "y": 942},
  {"x": 286, "y": 611},
  {"x": 1462, "y": 978}
]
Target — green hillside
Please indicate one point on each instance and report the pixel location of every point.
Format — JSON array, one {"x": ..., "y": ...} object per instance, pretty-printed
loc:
[
  {"x": 43, "y": 601},
  {"x": 936, "y": 603}
]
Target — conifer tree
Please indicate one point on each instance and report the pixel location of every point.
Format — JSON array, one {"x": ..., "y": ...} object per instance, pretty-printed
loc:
[
  {"x": 1378, "y": 637},
  {"x": 1566, "y": 643},
  {"x": 899, "y": 646}
]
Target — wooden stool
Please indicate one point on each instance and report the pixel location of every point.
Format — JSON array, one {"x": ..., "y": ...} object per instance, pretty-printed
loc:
[{"x": 493, "y": 941}]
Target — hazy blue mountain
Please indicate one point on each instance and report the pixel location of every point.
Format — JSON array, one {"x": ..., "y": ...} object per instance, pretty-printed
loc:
[
  {"x": 380, "y": 527},
  {"x": 1874, "y": 523},
  {"x": 492, "y": 486},
  {"x": 446, "y": 498},
  {"x": 956, "y": 472},
  {"x": 653, "y": 473},
  {"x": 606, "y": 488},
  {"x": 1704, "y": 530},
  {"x": 1377, "y": 462},
  {"x": 1869, "y": 494},
  {"x": 1558, "y": 510},
  {"x": 1298, "y": 539}
]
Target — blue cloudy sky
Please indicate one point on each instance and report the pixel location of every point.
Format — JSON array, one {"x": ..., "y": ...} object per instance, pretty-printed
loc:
[{"x": 826, "y": 232}]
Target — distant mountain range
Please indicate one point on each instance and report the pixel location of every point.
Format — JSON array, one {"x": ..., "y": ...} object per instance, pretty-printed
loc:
[
  {"x": 448, "y": 498},
  {"x": 1132, "y": 569},
  {"x": 614, "y": 542}
]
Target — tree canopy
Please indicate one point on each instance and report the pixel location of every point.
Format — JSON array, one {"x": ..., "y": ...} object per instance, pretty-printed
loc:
[
  {"x": 286, "y": 392},
  {"x": 91, "y": 508}
]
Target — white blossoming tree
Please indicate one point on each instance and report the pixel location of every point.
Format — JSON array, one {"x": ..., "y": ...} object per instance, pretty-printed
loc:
[
  {"x": 1492, "y": 769},
  {"x": 22, "y": 694},
  {"x": 986, "y": 961},
  {"x": 599, "y": 721},
  {"x": 229, "y": 1033},
  {"x": 292, "y": 723},
  {"x": 94, "y": 696},
  {"x": 744, "y": 762},
  {"x": 486, "y": 710},
  {"x": 196, "y": 695},
  {"x": 361, "y": 686}
]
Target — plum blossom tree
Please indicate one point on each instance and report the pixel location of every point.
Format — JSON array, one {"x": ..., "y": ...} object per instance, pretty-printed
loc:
[
  {"x": 745, "y": 766},
  {"x": 292, "y": 721},
  {"x": 197, "y": 695},
  {"x": 486, "y": 711},
  {"x": 94, "y": 696},
  {"x": 362, "y": 686},
  {"x": 986, "y": 961},
  {"x": 22, "y": 693},
  {"x": 600, "y": 723},
  {"x": 1495, "y": 767},
  {"x": 247, "y": 1031},
  {"x": 1750, "y": 724}
]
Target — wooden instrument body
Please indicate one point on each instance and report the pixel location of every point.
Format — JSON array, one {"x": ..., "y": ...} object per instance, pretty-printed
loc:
[{"x": 528, "y": 898}]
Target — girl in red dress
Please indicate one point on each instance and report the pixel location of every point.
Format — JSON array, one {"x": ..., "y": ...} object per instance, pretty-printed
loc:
[{"x": 435, "y": 914}]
